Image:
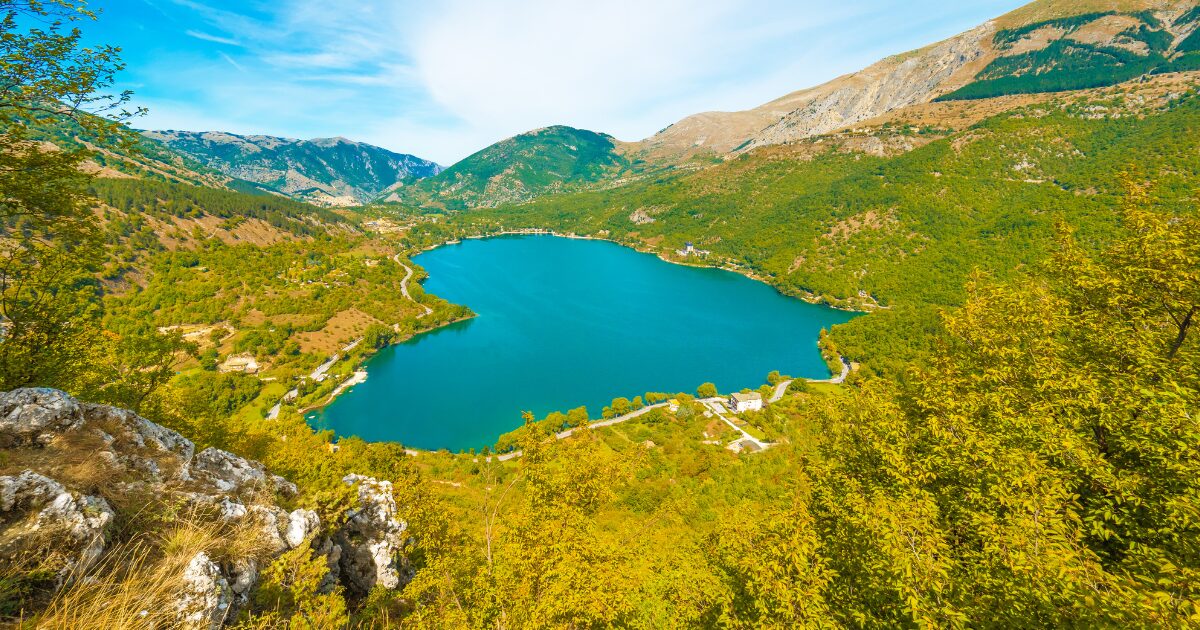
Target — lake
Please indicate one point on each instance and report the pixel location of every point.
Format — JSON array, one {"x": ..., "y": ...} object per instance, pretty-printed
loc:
[{"x": 567, "y": 322}]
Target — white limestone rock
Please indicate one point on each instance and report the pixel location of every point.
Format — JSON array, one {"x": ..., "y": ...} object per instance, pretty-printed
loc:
[
  {"x": 372, "y": 540},
  {"x": 207, "y": 597},
  {"x": 36, "y": 415},
  {"x": 302, "y": 525},
  {"x": 230, "y": 473}
]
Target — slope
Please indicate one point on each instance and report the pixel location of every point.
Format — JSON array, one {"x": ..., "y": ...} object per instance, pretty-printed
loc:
[
  {"x": 326, "y": 171},
  {"x": 541, "y": 161},
  {"x": 1111, "y": 40}
]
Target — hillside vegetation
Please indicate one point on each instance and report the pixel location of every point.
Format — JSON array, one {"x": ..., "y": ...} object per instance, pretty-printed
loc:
[
  {"x": 900, "y": 232},
  {"x": 543, "y": 161},
  {"x": 1019, "y": 446},
  {"x": 324, "y": 171}
]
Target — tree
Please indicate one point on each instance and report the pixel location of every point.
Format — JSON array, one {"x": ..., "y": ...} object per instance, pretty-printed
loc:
[
  {"x": 707, "y": 390},
  {"x": 49, "y": 299},
  {"x": 577, "y": 417}
]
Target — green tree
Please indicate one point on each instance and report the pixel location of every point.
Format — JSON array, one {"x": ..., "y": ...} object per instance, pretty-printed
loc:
[
  {"x": 707, "y": 390},
  {"x": 49, "y": 301}
]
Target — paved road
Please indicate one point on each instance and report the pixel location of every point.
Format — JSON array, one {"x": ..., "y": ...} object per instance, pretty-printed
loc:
[
  {"x": 717, "y": 405},
  {"x": 317, "y": 375},
  {"x": 781, "y": 388},
  {"x": 408, "y": 273},
  {"x": 562, "y": 435}
]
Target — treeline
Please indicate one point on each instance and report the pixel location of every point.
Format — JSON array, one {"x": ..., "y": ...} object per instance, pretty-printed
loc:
[
  {"x": 186, "y": 201},
  {"x": 906, "y": 230}
]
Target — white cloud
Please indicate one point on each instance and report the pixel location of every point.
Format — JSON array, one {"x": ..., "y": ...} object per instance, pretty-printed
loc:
[
  {"x": 212, "y": 38},
  {"x": 444, "y": 79}
]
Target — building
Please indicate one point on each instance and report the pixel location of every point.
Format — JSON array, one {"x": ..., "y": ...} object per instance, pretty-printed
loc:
[
  {"x": 243, "y": 363},
  {"x": 745, "y": 402},
  {"x": 673, "y": 405}
]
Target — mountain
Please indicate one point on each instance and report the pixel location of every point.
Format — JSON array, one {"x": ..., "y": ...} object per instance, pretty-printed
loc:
[
  {"x": 324, "y": 171},
  {"x": 1047, "y": 46},
  {"x": 542, "y": 161}
]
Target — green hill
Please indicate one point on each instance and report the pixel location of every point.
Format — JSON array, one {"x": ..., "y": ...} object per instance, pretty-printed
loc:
[
  {"x": 543, "y": 161},
  {"x": 824, "y": 219}
]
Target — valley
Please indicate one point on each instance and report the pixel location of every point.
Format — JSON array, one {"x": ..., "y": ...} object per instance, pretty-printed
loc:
[{"x": 259, "y": 382}]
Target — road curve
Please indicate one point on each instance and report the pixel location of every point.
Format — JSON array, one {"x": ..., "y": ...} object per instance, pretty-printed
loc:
[{"x": 408, "y": 274}]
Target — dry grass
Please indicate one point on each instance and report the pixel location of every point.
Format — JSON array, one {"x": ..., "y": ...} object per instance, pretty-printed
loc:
[
  {"x": 340, "y": 329},
  {"x": 136, "y": 584}
]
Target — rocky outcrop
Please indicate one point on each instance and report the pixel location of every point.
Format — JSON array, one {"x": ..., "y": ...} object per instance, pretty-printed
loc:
[
  {"x": 54, "y": 445},
  {"x": 891, "y": 84},
  {"x": 207, "y": 598},
  {"x": 35, "y": 416},
  {"x": 373, "y": 539},
  {"x": 33, "y": 505}
]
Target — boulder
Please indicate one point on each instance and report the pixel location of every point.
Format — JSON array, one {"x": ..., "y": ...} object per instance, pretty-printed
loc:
[
  {"x": 33, "y": 504},
  {"x": 206, "y": 598},
  {"x": 230, "y": 473},
  {"x": 372, "y": 540},
  {"x": 35, "y": 415},
  {"x": 302, "y": 525}
]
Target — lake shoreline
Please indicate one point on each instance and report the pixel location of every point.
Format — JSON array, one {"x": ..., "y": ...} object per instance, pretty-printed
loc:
[
  {"x": 347, "y": 418},
  {"x": 805, "y": 296}
]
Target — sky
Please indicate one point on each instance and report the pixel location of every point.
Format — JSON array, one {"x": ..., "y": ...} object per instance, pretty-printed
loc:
[{"x": 445, "y": 78}]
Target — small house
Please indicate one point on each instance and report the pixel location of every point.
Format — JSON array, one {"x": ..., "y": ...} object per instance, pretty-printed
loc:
[
  {"x": 243, "y": 363},
  {"x": 673, "y": 405},
  {"x": 745, "y": 402}
]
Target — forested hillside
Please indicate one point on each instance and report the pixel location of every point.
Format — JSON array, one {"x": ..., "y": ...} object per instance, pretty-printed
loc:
[
  {"x": 900, "y": 234},
  {"x": 543, "y": 161},
  {"x": 1019, "y": 445}
]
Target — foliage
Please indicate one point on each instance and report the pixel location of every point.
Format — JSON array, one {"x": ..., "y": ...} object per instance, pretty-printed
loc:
[{"x": 521, "y": 167}]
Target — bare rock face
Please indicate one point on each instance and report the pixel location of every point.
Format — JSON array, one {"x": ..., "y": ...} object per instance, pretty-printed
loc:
[
  {"x": 206, "y": 598},
  {"x": 230, "y": 473},
  {"x": 373, "y": 539},
  {"x": 33, "y": 504},
  {"x": 886, "y": 86},
  {"x": 35, "y": 415},
  {"x": 302, "y": 525},
  {"x": 54, "y": 445}
]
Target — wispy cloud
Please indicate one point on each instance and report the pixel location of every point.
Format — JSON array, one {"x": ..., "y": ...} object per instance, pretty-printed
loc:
[
  {"x": 212, "y": 38},
  {"x": 442, "y": 79},
  {"x": 233, "y": 63}
]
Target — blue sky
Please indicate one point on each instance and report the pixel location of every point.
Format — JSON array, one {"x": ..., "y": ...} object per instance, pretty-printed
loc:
[{"x": 444, "y": 78}]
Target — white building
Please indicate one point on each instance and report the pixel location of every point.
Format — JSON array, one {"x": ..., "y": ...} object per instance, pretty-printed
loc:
[
  {"x": 745, "y": 402},
  {"x": 243, "y": 363}
]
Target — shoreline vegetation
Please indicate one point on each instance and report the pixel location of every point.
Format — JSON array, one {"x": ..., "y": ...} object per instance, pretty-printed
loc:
[{"x": 840, "y": 304}]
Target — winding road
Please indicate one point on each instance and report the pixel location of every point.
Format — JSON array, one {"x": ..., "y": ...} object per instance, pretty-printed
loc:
[
  {"x": 562, "y": 435},
  {"x": 408, "y": 274},
  {"x": 781, "y": 388}
]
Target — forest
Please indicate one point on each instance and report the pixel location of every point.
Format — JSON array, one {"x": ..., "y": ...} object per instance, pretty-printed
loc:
[{"x": 1019, "y": 448}]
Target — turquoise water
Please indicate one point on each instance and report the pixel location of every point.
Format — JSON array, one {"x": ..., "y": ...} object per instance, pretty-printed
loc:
[{"x": 563, "y": 323}]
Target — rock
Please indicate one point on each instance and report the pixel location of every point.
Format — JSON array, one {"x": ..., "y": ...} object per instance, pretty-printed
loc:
[
  {"x": 302, "y": 525},
  {"x": 206, "y": 598},
  {"x": 142, "y": 433},
  {"x": 230, "y": 473},
  {"x": 243, "y": 577},
  {"x": 372, "y": 539},
  {"x": 36, "y": 415},
  {"x": 84, "y": 519}
]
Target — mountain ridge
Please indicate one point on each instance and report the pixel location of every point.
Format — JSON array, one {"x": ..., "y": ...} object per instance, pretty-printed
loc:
[
  {"x": 332, "y": 171},
  {"x": 915, "y": 77}
]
